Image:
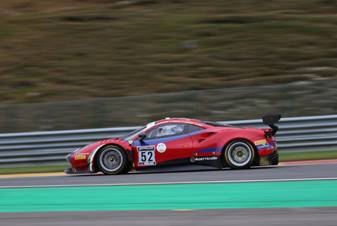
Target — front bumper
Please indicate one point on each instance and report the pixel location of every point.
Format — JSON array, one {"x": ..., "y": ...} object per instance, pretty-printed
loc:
[
  {"x": 72, "y": 171},
  {"x": 76, "y": 166},
  {"x": 69, "y": 171}
]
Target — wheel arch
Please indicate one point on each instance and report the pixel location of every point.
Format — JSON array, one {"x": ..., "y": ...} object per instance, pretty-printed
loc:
[{"x": 93, "y": 167}]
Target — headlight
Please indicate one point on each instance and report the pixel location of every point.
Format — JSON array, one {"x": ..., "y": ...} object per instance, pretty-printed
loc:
[{"x": 80, "y": 156}]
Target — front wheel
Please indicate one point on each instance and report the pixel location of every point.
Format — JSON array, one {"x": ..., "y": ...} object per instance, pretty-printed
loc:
[
  {"x": 239, "y": 154},
  {"x": 112, "y": 160}
]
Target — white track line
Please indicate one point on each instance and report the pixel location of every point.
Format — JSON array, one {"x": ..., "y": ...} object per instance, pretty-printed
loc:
[{"x": 171, "y": 183}]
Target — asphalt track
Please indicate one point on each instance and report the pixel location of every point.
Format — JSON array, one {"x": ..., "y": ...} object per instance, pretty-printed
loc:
[
  {"x": 182, "y": 175},
  {"x": 252, "y": 217}
]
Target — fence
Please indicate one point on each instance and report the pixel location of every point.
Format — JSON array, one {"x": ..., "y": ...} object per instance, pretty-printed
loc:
[{"x": 295, "y": 134}]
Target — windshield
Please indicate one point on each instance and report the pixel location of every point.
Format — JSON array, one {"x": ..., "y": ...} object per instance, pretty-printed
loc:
[{"x": 132, "y": 134}]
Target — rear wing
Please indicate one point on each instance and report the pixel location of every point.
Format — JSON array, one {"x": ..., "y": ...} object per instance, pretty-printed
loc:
[{"x": 270, "y": 120}]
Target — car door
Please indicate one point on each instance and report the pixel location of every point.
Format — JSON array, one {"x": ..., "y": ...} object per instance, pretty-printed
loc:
[
  {"x": 166, "y": 143},
  {"x": 205, "y": 144}
]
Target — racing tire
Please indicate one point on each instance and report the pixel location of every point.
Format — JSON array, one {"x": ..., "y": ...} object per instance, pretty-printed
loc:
[
  {"x": 239, "y": 154},
  {"x": 112, "y": 160},
  {"x": 127, "y": 168}
]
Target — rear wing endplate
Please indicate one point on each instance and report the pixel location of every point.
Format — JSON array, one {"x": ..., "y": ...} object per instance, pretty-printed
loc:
[{"x": 270, "y": 120}]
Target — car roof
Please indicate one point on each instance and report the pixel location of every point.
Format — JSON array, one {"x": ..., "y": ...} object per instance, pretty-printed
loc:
[
  {"x": 197, "y": 122},
  {"x": 182, "y": 120}
]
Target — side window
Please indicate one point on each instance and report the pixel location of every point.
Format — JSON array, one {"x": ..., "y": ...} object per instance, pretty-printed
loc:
[
  {"x": 167, "y": 130},
  {"x": 193, "y": 128}
]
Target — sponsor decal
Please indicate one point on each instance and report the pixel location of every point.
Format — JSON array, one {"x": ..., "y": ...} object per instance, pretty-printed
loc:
[
  {"x": 198, "y": 159},
  {"x": 260, "y": 142},
  {"x": 161, "y": 147},
  {"x": 212, "y": 150},
  {"x": 265, "y": 146},
  {"x": 80, "y": 156},
  {"x": 146, "y": 156}
]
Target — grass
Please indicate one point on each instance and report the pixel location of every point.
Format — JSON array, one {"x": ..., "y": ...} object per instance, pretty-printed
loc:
[
  {"x": 33, "y": 169},
  {"x": 284, "y": 156},
  {"x": 318, "y": 155},
  {"x": 63, "y": 50}
]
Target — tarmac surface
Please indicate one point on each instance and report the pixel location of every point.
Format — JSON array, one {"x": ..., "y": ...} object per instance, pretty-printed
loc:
[
  {"x": 182, "y": 175},
  {"x": 251, "y": 217}
]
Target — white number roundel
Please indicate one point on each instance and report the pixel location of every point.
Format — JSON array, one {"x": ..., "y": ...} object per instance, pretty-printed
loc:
[{"x": 161, "y": 147}]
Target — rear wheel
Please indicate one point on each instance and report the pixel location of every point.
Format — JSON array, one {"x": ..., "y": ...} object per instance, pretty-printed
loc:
[
  {"x": 239, "y": 154},
  {"x": 112, "y": 160}
]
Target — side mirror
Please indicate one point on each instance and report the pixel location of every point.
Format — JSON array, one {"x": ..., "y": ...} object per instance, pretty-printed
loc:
[{"x": 141, "y": 137}]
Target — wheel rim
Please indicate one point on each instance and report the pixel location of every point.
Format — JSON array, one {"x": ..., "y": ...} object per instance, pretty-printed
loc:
[
  {"x": 111, "y": 159},
  {"x": 239, "y": 154}
]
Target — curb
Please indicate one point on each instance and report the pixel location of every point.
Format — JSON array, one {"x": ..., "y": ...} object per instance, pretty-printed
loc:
[
  {"x": 24, "y": 175},
  {"x": 308, "y": 162}
]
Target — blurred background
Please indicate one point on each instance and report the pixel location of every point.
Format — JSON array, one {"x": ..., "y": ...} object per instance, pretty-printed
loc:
[
  {"x": 100, "y": 68},
  {"x": 72, "y": 64}
]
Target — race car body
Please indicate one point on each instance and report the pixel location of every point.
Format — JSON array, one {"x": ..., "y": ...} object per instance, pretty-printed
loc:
[{"x": 174, "y": 141}]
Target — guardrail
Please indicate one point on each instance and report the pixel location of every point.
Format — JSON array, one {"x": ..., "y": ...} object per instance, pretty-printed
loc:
[{"x": 295, "y": 134}]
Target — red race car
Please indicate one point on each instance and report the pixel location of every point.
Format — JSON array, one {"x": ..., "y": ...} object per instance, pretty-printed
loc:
[{"x": 173, "y": 141}]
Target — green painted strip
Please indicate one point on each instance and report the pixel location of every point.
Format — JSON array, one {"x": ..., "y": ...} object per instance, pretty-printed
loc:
[{"x": 167, "y": 197}]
